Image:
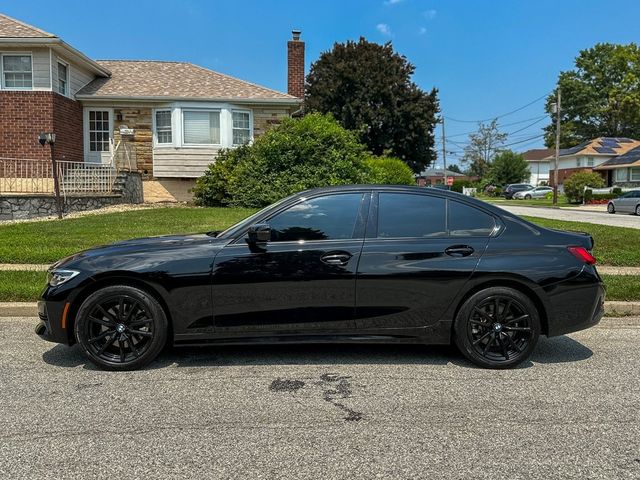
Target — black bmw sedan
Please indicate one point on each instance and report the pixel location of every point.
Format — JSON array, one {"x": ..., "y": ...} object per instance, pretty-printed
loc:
[{"x": 342, "y": 264}]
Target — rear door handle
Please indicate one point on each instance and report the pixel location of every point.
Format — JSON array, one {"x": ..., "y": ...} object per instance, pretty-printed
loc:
[
  {"x": 336, "y": 258},
  {"x": 459, "y": 251}
]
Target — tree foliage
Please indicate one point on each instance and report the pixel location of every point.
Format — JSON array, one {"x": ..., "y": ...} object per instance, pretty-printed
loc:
[
  {"x": 388, "y": 171},
  {"x": 600, "y": 96},
  {"x": 575, "y": 184},
  {"x": 508, "y": 167},
  {"x": 483, "y": 146},
  {"x": 368, "y": 89},
  {"x": 454, "y": 168}
]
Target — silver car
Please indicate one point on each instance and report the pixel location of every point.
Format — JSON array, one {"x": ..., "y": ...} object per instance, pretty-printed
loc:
[
  {"x": 627, "y": 203},
  {"x": 538, "y": 192}
]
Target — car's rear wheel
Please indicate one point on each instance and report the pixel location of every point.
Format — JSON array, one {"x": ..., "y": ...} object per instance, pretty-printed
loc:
[
  {"x": 611, "y": 208},
  {"x": 121, "y": 327},
  {"x": 497, "y": 327},
  {"x": 638, "y": 210}
]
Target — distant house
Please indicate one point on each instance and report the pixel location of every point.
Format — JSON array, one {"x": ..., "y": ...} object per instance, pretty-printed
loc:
[
  {"x": 538, "y": 161},
  {"x": 435, "y": 176},
  {"x": 175, "y": 116},
  {"x": 605, "y": 155}
]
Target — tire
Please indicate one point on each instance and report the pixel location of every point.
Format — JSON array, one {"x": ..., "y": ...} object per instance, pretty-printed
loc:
[
  {"x": 497, "y": 344},
  {"x": 121, "y": 328},
  {"x": 638, "y": 210},
  {"x": 611, "y": 208},
  {"x": 527, "y": 197}
]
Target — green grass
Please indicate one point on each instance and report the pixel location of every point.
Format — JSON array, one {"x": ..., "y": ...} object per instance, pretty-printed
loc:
[
  {"x": 49, "y": 241},
  {"x": 27, "y": 286},
  {"x": 616, "y": 246},
  {"x": 538, "y": 202}
]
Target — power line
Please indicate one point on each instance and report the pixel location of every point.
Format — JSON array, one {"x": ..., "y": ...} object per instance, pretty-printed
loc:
[
  {"x": 541, "y": 117},
  {"x": 503, "y": 115}
]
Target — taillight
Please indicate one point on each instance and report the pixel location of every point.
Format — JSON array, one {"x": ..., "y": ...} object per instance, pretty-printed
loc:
[{"x": 583, "y": 254}]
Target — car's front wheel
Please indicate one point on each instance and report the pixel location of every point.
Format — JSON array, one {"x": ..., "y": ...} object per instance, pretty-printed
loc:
[
  {"x": 611, "y": 208},
  {"x": 527, "y": 197},
  {"x": 121, "y": 327},
  {"x": 497, "y": 327}
]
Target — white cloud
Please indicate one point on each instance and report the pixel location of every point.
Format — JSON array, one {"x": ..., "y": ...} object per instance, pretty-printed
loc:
[
  {"x": 384, "y": 29},
  {"x": 393, "y": 2},
  {"x": 429, "y": 14},
  {"x": 422, "y": 31}
]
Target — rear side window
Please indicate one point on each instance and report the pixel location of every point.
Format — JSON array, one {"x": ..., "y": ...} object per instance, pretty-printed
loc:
[
  {"x": 467, "y": 221},
  {"x": 405, "y": 215}
]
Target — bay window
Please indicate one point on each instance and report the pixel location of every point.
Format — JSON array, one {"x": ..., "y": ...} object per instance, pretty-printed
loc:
[
  {"x": 201, "y": 127},
  {"x": 17, "y": 72},
  {"x": 241, "y": 127},
  {"x": 164, "y": 132}
]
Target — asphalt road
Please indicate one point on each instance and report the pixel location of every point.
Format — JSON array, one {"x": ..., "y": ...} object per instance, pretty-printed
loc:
[
  {"x": 575, "y": 215},
  {"x": 323, "y": 412}
]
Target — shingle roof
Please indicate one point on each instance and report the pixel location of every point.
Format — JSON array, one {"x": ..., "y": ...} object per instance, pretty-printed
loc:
[
  {"x": 12, "y": 28},
  {"x": 173, "y": 80},
  {"x": 631, "y": 158},
  {"x": 602, "y": 146},
  {"x": 537, "y": 154}
]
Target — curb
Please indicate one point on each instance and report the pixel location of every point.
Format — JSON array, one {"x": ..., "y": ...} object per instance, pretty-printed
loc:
[{"x": 611, "y": 309}]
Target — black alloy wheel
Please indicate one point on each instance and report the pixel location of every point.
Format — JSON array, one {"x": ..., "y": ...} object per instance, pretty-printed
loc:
[
  {"x": 121, "y": 328},
  {"x": 611, "y": 208},
  {"x": 497, "y": 328}
]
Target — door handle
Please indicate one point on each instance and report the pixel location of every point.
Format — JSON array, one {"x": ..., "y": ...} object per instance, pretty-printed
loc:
[
  {"x": 459, "y": 250},
  {"x": 336, "y": 258}
]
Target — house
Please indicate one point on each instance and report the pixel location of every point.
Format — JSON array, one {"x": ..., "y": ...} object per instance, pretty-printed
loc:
[
  {"x": 595, "y": 155},
  {"x": 623, "y": 170},
  {"x": 173, "y": 117},
  {"x": 435, "y": 176},
  {"x": 538, "y": 160}
]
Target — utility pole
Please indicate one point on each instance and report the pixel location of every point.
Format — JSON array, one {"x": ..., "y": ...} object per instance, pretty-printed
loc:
[
  {"x": 555, "y": 167},
  {"x": 444, "y": 154}
]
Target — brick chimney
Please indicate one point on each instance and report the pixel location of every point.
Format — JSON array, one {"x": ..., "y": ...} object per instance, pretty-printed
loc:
[{"x": 295, "y": 65}]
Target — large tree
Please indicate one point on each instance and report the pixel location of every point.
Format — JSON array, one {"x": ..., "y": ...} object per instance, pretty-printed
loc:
[
  {"x": 508, "y": 167},
  {"x": 600, "y": 96},
  {"x": 483, "y": 145},
  {"x": 367, "y": 87}
]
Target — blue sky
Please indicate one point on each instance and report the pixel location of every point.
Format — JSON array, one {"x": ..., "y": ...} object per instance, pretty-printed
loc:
[{"x": 485, "y": 57}]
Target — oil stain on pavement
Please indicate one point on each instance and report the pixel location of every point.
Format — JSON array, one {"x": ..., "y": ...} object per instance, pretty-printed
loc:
[{"x": 336, "y": 389}]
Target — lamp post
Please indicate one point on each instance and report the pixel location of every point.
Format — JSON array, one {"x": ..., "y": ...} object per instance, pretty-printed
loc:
[{"x": 50, "y": 138}]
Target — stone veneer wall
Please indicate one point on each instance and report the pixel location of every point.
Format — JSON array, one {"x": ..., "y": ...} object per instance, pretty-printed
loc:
[
  {"x": 138, "y": 118},
  {"x": 266, "y": 117},
  {"x": 15, "y": 207}
]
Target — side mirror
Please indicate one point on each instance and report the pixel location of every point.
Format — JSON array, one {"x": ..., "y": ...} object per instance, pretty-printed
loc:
[{"x": 258, "y": 235}]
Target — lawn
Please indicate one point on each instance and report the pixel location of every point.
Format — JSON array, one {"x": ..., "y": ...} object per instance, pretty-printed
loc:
[
  {"x": 617, "y": 246},
  {"x": 537, "y": 202},
  {"x": 49, "y": 241},
  {"x": 27, "y": 286}
]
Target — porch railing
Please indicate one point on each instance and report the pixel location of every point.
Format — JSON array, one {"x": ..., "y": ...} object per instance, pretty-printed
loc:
[{"x": 27, "y": 176}]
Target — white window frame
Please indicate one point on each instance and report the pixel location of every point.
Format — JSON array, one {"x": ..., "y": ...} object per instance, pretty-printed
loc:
[
  {"x": 240, "y": 110},
  {"x": 3, "y": 85},
  {"x": 156, "y": 144},
  {"x": 590, "y": 162},
  {"x": 626, "y": 175},
  {"x": 67, "y": 80},
  {"x": 578, "y": 162},
  {"x": 219, "y": 111},
  {"x": 636, "y": 171}
]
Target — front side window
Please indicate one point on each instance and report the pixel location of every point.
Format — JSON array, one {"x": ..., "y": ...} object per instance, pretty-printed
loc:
[
  {"x": 63, "y": 79},
  {"x": 17, "y": 71},
  {"x": 164, "y": 134},
  {"x": 324, "y": 218},
  {"x": 241, "y": 128},
  {"x": 201, "y": 127},
  {"x": 467, "y": 221},
  {"x": 404, "y": 215}
]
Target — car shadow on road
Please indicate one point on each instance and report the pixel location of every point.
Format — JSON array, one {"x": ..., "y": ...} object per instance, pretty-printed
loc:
[{"x": 549, "y": 351}]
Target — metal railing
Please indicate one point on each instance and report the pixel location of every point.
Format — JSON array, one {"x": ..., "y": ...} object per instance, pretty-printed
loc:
[
  {"x": 25, "y": 176},
  {"x": 81, "y": 177},
  {"x": 124, "y": 157}
]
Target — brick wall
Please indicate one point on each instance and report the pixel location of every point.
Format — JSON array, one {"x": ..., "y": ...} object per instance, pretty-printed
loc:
[
  {"x": 295, "y": 68},
  {"x": 24, "y": 115}
]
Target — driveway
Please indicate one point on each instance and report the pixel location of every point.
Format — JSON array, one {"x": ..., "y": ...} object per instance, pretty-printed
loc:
[
  {"x": 327, "y": 411},
  {"x": 575, "y": 215}
]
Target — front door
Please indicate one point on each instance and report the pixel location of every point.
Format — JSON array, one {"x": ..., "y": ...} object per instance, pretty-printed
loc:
[
  {"x": 98, "y": 134},
  {"x": 303, "y": 280},
  {"x": 419, "y": 252}
]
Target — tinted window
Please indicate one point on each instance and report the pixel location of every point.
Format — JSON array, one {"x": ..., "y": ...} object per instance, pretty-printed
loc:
[
  {"x": 322, "y": 218},
  {"x": 404, "y": 215},
  {"x": 466, "y": 221}
]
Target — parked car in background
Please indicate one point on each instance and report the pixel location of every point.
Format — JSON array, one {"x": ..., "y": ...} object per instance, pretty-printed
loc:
[
  {"x": 628, "y": 202},
  {"x": 538, "y": 192},
  {"x": 361, "y": 263},
  {"x": 511, "y": 189}
]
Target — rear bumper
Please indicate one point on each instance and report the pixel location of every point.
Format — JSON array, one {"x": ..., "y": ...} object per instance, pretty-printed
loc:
[{"x": 577, "y": 303}]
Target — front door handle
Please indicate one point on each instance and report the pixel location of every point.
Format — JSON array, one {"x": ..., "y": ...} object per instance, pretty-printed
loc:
[
  {"x": 336, "y": 258},
  {"x": 459, "y": 251}
]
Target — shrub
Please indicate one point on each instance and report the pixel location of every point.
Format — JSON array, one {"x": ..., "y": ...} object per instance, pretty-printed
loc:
[
  {"x": 314, "y": 151},
  {"x": 388, "y": 171},
  {"x": 616, "y": 191},
  {"x": 574, "y": 185},
  {"x": 458, "y": 185}
]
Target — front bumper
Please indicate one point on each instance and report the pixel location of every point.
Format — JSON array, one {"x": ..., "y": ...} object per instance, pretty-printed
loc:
[{"x": 50, "y": 326}]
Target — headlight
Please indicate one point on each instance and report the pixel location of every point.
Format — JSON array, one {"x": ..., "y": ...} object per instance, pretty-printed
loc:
[{"x": 58, "y": 277}]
